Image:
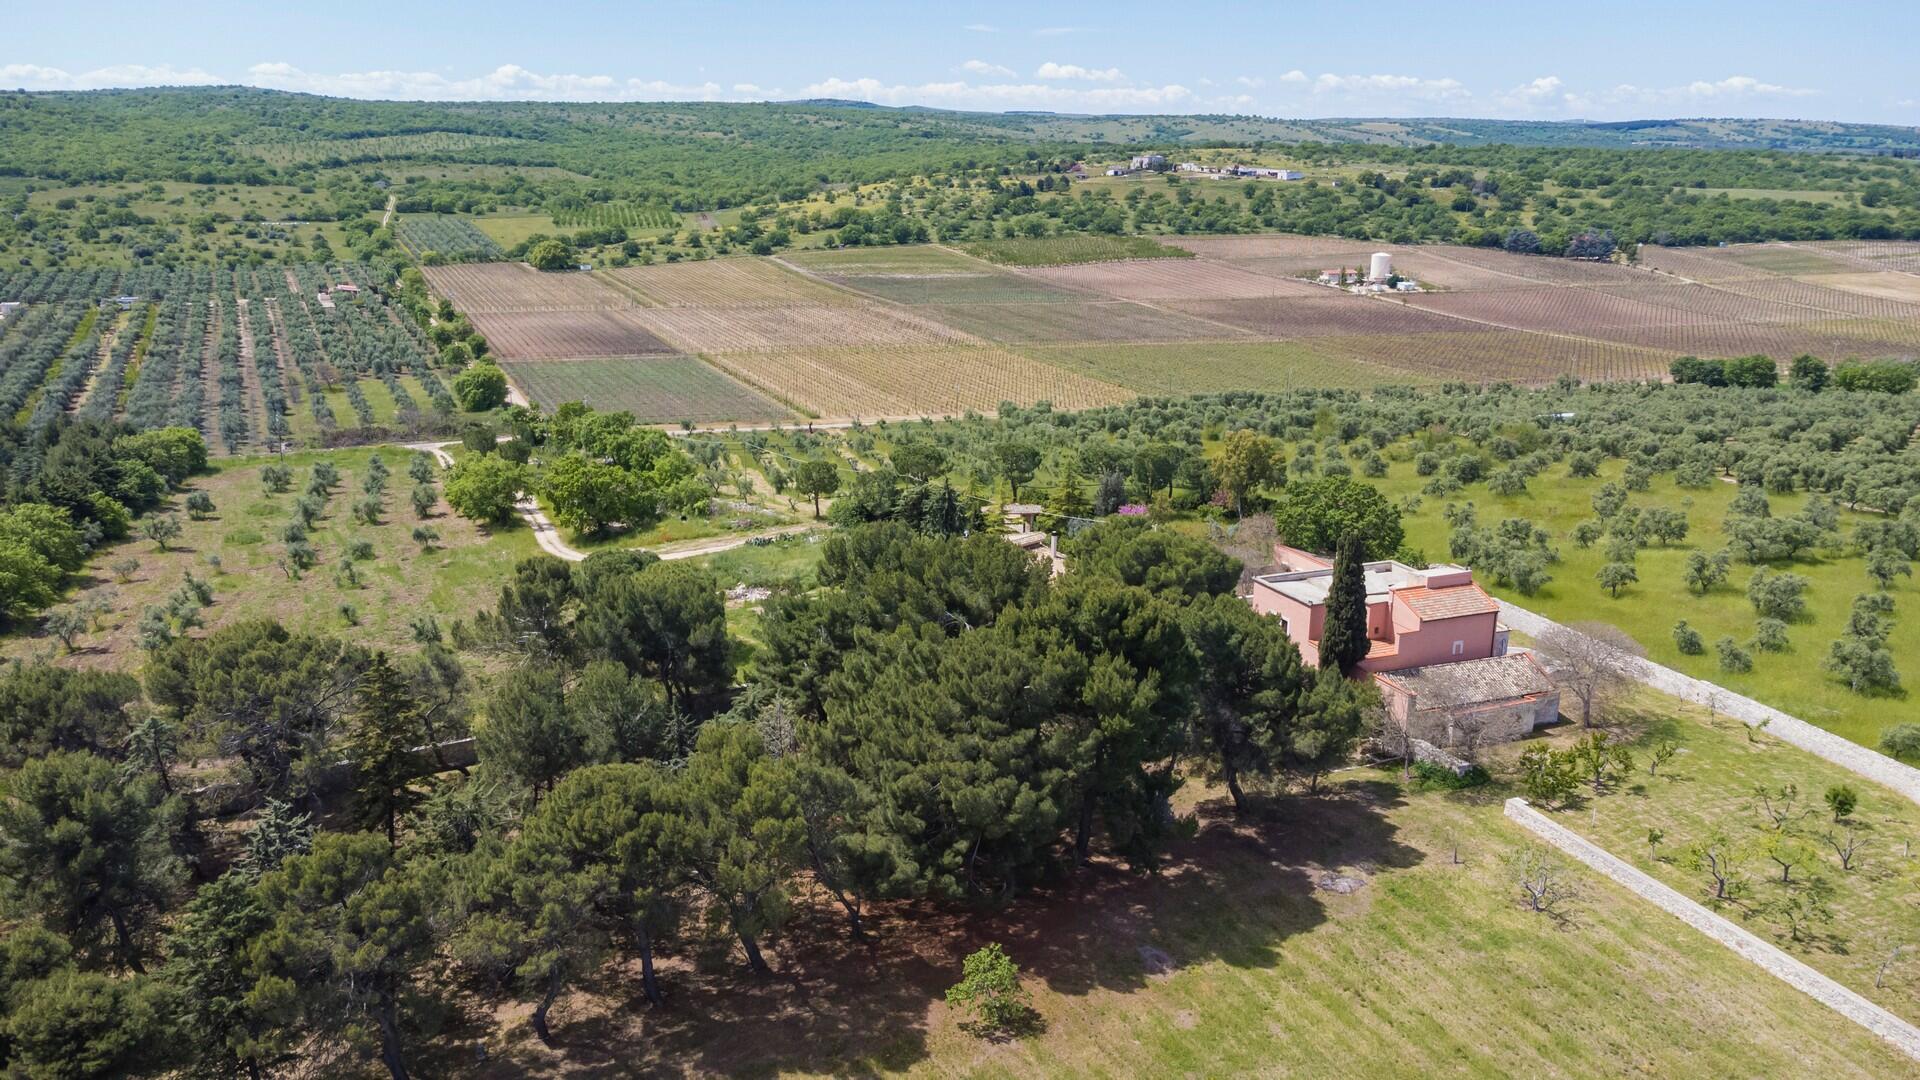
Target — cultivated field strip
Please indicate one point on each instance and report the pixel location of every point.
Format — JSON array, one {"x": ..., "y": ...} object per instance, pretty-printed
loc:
[
  {"x": 1329, "y": 312},
  {"x": 989, "y": 287},
  {"x": 1209, "y": 367},
  {"x": 1572, "y": 311},
  {"x": 1483, "y": 355},
  {"x": 480, "y": 288},
  {"x": 567, "y": 334},
  {"x": 723, "y": 283},
  {"x": 1115, "y": 320},
  {"x": 1900, "y": 255},
  {"x": 1173, "y": 279},
  {"x": 656, "y": 390},
  {"x": 912, "y": 381},
  {"x": 792, "y": 326}
]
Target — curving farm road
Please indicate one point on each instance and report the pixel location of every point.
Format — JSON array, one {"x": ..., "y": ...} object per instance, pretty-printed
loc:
[{"x": 548, "y": 536}]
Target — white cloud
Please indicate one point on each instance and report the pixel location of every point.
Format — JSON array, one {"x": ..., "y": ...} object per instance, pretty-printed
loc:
[
  {"x": 1544, "y": 93},
  {"x": 1055, "y": 31},
  {"x": 981, "y": 67},
  {"x": 1907, "y": 103},
  {"x": 1395, "y": 87},
  {"x": 1252, "y": 81},
  {"x": 1294, "y": 76},
  {"x": 965, "y": 95},
  {"x": 1700, "y": 92},
  {"x": 37, "y": 77},
  {"x": 1051, "y": 70},
  {"x": 508, "y": 82},
  {"x": 981, "y": 28}
]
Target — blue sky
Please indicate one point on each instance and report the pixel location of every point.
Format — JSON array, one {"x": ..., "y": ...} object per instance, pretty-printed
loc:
[{"x": 1333, "y": 58}]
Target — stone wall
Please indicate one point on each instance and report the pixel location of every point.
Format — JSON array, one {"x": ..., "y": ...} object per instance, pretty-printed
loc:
[
  {"x": 1902, "y": 1035},
  {"x": 1878, "y": 767}
]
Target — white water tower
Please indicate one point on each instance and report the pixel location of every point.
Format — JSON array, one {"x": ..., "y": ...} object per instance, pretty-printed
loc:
[{"x": 1381, "y": 267}]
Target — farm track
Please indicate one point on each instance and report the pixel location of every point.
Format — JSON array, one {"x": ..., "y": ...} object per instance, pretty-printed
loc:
[
  {"x": 108, "y": 338},
  {"x": 250, "y": 377},
  {"x": 289, "y": 371},
  {"x": 208, "y": 421}
]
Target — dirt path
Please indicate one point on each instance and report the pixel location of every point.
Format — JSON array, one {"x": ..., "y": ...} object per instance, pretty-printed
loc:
[
  {"x": 210, "y": 372},
  {"x": 548, "y": 536},
  {"x": 387, "y": 218},
  {"x": 256, "y": 396},
  {"x": 289, "y": 375},
  {"x": 108, "y": 339}
]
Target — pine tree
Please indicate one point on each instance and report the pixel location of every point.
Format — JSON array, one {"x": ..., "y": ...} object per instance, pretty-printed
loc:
[
  {"x": 382, "y": 733},
  {"x": 1343, "y": 635},
  {"x": 1111, "y": 495},
  {"x": 1070, "y": 498},
  {"x": 280, "y": 833}
]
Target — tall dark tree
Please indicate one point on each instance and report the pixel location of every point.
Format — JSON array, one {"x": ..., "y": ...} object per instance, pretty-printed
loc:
[
  {"x": 667, "y": 622},
  {"x": 348, "y": 929},
  {"x": 1343, "y": 634},
  {"x": 208, "y": 969},
  {"x": 382, "y": 733},
  {"x": 86, "y": 851},
  {"x": 1247, "y": 691},
  {"x": 743, "y": 836}
]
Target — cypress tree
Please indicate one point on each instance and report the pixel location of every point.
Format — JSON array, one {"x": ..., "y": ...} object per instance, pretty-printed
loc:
[
  {"x": 1343, "y": 636},
  {"x": 382, "y": 732}
]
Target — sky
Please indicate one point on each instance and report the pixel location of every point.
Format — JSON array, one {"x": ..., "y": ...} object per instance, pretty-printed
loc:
[{"x": 1334, "y": 58}]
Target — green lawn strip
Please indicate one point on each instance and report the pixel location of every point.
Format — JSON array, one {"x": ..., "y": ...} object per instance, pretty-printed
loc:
[{"x": 1711, "y": 784}]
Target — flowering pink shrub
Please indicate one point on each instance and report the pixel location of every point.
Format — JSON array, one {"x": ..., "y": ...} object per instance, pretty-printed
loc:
[{"x": 1133, "y": 510}]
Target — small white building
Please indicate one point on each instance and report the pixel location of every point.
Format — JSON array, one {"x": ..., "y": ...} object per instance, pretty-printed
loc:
[
  {"x": 1149, "y": 161},
  {"x": 1380, "y": 267}
]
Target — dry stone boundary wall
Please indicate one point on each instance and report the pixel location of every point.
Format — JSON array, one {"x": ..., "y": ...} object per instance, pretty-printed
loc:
[
  {"x": 1902, "y": 1035},
  {"x": 1818, "y": 741}
]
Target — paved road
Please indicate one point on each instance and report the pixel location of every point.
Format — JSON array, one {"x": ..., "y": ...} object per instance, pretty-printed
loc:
[{"x": 548, "y": 536}]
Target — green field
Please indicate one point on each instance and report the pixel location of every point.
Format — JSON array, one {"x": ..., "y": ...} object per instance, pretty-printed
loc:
[
  {"x": 656, "y": 390},
  {"x": 1710, "y": 783},
  {"x": 459, "y": 575},
  {"x": 509, "y": 230},
  {"x": 1791, "y": 681},
  {"x": 1232, "y": 962},
  {"x": 1216, "y": 366},
  {"x": 1079, "y": 248}
]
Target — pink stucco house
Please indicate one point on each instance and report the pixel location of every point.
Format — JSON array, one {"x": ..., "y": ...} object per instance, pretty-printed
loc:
[{"x": 1439, "y": 653}]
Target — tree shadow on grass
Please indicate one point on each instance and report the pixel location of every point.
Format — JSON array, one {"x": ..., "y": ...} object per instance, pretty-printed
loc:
[{"x": 1234, "y": 892}]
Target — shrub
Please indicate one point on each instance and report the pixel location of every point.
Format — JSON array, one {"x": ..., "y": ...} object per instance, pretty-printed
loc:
[
  {"x": 990, "y": 989},
  {"x": 1428, "y": 776},
  {"x": 1733, "y": 658},
  {"x": 1770, "y": 635},
  {"x": 1687, "y": 639}
]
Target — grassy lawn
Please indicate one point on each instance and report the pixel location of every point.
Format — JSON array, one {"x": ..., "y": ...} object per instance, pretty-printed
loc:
[
  {"x": 1710, "y": 783},
  {"x": 1231, "y": 961},
  {"x": 1791, "y": 681},
  {"x": 459, "y": 575},
  {"x": 510, "y": 229}
]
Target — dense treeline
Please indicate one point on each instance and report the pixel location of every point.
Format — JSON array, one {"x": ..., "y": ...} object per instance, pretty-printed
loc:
[
  {"x": 973, "y": 174},
  {"x": 940, "y": 720}
]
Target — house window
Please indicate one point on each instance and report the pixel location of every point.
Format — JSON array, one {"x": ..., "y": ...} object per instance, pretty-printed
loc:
[
  {"x": 1284, "y": 628},
  {"x": 1459, "y": 648}
]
